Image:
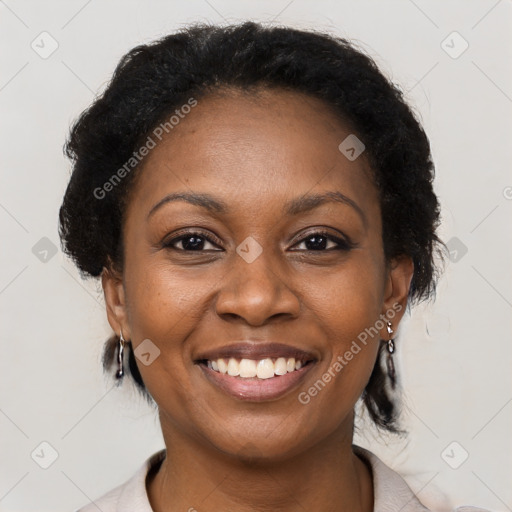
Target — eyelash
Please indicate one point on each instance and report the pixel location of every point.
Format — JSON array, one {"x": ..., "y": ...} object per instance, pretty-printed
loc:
[{"x": 342, "y": 245}]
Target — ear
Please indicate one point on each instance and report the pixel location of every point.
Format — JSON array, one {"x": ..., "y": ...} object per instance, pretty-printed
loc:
[
  {"x": 400, "y": 273},
  {"x": 113, "y": 289}
]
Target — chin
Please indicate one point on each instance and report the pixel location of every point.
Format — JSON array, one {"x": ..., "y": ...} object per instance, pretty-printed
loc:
[{"x": 276, "y": 444}]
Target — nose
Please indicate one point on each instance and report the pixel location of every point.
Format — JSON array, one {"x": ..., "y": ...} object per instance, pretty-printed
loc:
[{"x": 256, "y": 293}]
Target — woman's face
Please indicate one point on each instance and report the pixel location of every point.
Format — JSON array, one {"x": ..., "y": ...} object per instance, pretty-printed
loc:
[{"x": 262, "y": 268}]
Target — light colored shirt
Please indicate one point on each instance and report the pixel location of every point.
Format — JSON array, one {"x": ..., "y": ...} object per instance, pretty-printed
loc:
[{"x": 391, "y": 492}]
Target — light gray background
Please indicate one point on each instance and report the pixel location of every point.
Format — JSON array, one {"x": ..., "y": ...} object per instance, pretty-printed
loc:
[{"x": 455, "y": 354}]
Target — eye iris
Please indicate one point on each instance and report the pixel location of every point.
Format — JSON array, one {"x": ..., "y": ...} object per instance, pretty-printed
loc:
[
  {"x": 197, "y": 242},
  {"x": 321, "y": 242}
]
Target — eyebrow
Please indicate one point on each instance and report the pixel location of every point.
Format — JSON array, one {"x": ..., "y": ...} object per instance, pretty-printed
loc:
[{"x": 298, "y": 205}]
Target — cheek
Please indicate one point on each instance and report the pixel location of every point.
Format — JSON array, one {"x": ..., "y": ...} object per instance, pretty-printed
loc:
[
  {"x": 165, "y": 306},
  {"x": 348, "y": 307},
  {"x": 353, "y": 341},
  {"x": 349, "y": 299},
  {"x": 164, "y": 300}
]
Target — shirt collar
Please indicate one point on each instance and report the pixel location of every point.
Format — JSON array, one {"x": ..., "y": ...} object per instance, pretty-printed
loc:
[{"x": 390, "y": 491}]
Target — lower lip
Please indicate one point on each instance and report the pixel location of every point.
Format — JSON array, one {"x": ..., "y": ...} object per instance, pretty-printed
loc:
[{"x": 254, "y": 389}]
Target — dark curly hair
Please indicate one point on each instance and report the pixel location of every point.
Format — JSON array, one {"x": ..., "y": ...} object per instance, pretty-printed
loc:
[{"x": 153, "y": 80}]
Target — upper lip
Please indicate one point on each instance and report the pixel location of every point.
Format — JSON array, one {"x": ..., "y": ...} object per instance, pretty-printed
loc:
[{"x": 256, "y": 351}]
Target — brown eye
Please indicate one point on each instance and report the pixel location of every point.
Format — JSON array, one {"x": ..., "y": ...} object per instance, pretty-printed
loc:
[
  {"x": 191, "y": 241},
  {"x": 324, "y": 241}
]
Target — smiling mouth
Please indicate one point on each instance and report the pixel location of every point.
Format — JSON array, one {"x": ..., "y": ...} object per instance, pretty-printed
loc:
[
  {"x": 256, "y": 372},
  {"x": 260, "y": 369}
]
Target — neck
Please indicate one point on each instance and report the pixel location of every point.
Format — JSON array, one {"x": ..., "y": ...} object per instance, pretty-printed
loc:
[{"x": 194, "y": 477}]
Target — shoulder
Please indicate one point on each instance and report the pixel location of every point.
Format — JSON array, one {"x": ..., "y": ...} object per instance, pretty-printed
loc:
[
  {"x": 467, "y": 508},
  {"x": 391, "y": 491},
  {"x": 130, "y": 496},
  {"x": 106, "y": 503}
]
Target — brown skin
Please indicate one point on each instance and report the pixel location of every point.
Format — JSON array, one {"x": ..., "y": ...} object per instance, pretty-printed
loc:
[{"x": 255, "y": 154}]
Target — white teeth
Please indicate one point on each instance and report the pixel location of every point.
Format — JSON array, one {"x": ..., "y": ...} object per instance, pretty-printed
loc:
[
  {"x": 223, "y": 367},
  {"x": 247, "y": 368},
  {"x": 250, "y": 368},
  {"x": 280, "y": 366},
  {"x": 265, "y": 369},
  {"x": 233, "y": 367}
]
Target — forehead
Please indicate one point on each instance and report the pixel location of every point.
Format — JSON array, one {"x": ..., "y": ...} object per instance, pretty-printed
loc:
[{"x": 253, "y": 148}]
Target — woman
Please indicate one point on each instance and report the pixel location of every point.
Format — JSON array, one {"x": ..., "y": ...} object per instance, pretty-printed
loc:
[{"x": 258, "y": 203}]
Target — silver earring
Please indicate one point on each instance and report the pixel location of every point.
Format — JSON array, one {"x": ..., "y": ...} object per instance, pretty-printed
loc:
[
  {"x": 391, "y": 343},
  {"x": 120, "y": 353},
  {"x": 389, "y": 360}
]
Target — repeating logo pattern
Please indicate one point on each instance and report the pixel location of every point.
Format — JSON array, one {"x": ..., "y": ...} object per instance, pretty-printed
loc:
[{"x": 41, "y": 58}]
